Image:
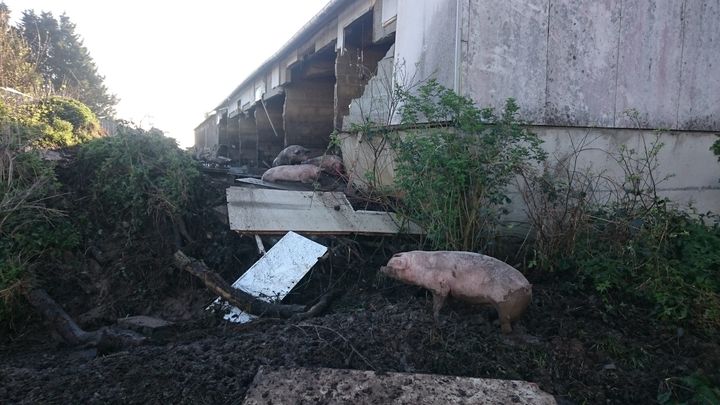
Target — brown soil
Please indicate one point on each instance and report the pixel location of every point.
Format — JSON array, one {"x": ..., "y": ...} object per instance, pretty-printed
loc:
[{"x": 568, "y": 342}]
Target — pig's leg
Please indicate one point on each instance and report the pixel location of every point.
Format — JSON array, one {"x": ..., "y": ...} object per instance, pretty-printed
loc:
[
  {"x": 438, "y": 302},
  {"x": 504, "y": 310}
]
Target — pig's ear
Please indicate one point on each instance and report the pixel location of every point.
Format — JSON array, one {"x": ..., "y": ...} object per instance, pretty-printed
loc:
[{"x": 401, "y": 261}]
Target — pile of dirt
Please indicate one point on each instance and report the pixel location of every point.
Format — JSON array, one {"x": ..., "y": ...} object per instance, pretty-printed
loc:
[{"x": 567, "y": 342}]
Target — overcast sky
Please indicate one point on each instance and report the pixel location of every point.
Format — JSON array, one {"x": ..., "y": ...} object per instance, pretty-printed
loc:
[{"x": 171, "y": 62}]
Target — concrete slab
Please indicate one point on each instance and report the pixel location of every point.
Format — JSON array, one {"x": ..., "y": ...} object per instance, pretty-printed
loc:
[
  {"x": 700, "y": 80},
  {"x": 338, "y": 386},
  {"x": 649, "y": 63},
  {"x": 582, "y": 62},
  {"x": 507, "y": 55}
]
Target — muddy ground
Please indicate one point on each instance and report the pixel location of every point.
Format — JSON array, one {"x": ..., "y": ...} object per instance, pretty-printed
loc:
[{"x": 569, "y": 342}]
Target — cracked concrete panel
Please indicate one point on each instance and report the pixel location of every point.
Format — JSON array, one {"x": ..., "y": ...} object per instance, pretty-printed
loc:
[
  {"x": 649, "y": 63},
  {"x": 342, "y": 386},
  {"x": 582, "y": 62},
  {"x": 700, "y": 76},
  {"x": 507, "y": 55}
]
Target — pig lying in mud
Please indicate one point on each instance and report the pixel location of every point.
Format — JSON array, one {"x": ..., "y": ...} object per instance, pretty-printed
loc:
[
  {"x": 291, "y": 155},
  {"x": 469, "y": 277},
  {"x": 331, "y": 164},
  {"x": 301, "y": 173}
]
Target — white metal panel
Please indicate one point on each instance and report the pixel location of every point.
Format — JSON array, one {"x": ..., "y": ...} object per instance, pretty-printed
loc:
[{"x": 273, "y": 276}]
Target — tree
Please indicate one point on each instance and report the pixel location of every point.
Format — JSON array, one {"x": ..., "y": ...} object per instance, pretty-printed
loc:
[
  {"x": 64, "y": 62},
  {"x": 16, "y": 68}
]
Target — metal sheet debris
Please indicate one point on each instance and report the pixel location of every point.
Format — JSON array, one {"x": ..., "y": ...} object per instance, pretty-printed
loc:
[
  {"x": 262, "y": 211},
  {"x": 273, "y": 276}
]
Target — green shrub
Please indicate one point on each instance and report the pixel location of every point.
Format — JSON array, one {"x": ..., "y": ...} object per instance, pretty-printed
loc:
[
  {"x": 454, "y": 171},
  {"x": 692, "y": 389},
  {"x": 667, "y": 258},
  {"x": 52, "y": 122},
  {"x": 616, "y": 233},
  {"x": 138, "y": 177},
  {"x": 29, "y": 227}
]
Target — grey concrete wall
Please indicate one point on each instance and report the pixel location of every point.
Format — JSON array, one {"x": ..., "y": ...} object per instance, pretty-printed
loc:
[
  {"x": 206, "y": 134},
  {"x": 425, "y": 38},
  {"x": 498, "y": 62},
  {"x": 268, "y": 143},
  {"x": 586, "y": 62},
  {"x": 375, "y": 103},
  {"x": 353, "y": 69},
  {"x": 309, "y": 112},
  {"x": 687, "y": 173},
  {"x": 231, "y": 139},
  {"x": 247, "y": 133}
]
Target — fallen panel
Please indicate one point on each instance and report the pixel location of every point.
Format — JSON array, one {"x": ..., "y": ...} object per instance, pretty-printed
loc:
[
  {"x": 338, "y": 386},
  {"x": 273, "y": 276},
  {"x": 278, "y": 186},
  {"x": 329, "y": 213}
]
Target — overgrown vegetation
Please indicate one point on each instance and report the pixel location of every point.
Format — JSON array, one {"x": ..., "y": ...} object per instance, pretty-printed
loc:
[
  {"x": 140, "y": 178},
  {"x": 30, "y": 227},
  {"x": 615, "y": 232},
  {"x": 454, "y": 167},
  {"x": 693, "y": 389}
]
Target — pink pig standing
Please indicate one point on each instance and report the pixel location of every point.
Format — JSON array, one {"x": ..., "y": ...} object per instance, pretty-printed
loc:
[
  {"x": 301, "y": 173},
  {"x": 467, "y": 276}
]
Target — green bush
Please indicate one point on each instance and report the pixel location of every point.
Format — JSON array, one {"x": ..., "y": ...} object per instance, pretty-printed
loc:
[
  {"x": 138, "y": 177},
  {"x": 627, "y": 242},
  {"x": 29, "y": 227},
  {"x": 696, "y": 388},
  {"x": 64, "y": 122},
  {"x": 666, "y": 258},
  {"x": 455, "y": 170}
]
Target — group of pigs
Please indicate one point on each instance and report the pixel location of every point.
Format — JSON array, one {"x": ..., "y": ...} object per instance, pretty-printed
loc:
[{"x": 294, "y": 164}]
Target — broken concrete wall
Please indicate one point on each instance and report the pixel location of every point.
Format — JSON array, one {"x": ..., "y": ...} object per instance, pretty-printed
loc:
[
  {"x": 247, "y": 134},
  {"x": 270, "y": 131},
  {"x": 353, "y": 69},
  {"x": 376, "y": 103},
  {"x": 230, "y": 141},
  {"x": 309, "y": 112}
]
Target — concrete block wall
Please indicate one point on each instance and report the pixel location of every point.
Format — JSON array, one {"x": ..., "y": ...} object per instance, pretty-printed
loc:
[
  {"x": 247, "y": 134},
  {"x": 230, "y": 141},
  {"x": 309, "y": 112},
  {"x": 268, "y": 143},
  {"x": 354, "y": 68},
  {"x": 375, "y": 102}
]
